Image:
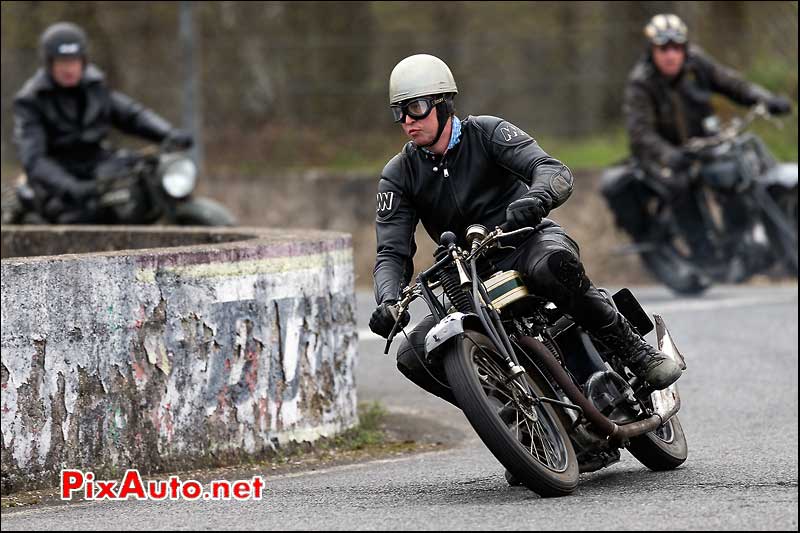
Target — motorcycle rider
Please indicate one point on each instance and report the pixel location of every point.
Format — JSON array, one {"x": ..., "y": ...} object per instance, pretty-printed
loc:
[
  {"x": 667, "y": 99},
  {"x": 63, "y": 114},
  {"x": 482, "y": 170}
]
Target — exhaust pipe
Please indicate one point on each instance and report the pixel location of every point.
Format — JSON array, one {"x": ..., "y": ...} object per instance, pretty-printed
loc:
[{"x": 600, "y": 423}]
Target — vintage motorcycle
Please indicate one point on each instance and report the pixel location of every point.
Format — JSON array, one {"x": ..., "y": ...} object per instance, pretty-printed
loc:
[
  {"x": 733, "y": 176},
  {"x": 148, "y": 186},
  {"x": 547, "y": 399}
]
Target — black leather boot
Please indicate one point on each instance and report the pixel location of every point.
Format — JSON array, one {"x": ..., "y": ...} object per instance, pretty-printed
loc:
[{"x": 647, "y": 363}]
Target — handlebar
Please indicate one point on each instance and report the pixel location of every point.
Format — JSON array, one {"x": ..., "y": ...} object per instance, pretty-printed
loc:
[
  {"x": 732, "y": 129},
  {"x": 414, "y": 291}
]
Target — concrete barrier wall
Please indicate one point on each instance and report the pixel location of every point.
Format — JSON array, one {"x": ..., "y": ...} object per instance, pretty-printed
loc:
[{"x": 172, "y": 358}]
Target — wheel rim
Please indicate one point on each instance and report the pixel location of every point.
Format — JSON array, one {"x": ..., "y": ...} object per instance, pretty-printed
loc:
[
  {"x": 665, "y": 433},
  {"x": 531, "y": 425},
  {"x": 788, "y": 203}
]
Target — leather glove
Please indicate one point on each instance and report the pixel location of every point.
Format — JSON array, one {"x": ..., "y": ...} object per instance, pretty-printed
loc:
[
  {"x": 527, "y": 211},
  {"x": 81, "y": 190},
  {"x": 384, "y": 317},
  {"x": 179, "y": 139},
  {"x": 779, "y": 105},
  {"x": 680, "y": 161},
  {"x": 676, "y": 175}
]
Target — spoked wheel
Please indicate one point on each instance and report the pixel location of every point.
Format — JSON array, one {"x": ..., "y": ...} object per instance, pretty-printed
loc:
[
  {"x": 662, "y": 449},
  {"x": 674, "y": 271},
  {"x": 786, "y": 199},
  {"x": 11, "y": 209},
  {"x": 525, "y": 435},
  {"x": 203, "y": 212}
]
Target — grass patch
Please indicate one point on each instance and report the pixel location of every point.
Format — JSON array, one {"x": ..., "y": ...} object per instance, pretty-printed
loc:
[
  {"x": 600, "y": 151},
  {"x": 588, "y": 152},
  {"x": 369, "y": 431},
  {"x": 782, "y": 142}
]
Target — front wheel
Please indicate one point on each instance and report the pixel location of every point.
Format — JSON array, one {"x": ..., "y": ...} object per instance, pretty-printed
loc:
[
  {"x": 662, "y": 449},
  {"x": 529, "y": 439},
  {"x": 675, "y": 272},
  {"x": 203, "y": 212},
  {"x": 10, "y": 207}
]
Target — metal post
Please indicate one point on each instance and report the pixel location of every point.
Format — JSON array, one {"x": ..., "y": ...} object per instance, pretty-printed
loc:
[{"x": 192, "y": 97}]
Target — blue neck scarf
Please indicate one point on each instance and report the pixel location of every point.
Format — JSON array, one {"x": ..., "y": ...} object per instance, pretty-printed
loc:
[{"x": 455, "y": 134}]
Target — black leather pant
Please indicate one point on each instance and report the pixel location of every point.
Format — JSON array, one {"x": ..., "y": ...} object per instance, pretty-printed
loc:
[
  {"x": 59, "y": 208},
  {"x": 691, "y": 223},
  {"x": 550, "y": 264}
]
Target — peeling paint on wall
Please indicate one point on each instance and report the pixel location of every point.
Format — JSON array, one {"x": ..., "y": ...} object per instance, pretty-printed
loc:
[{"x": 163, "y": 359}]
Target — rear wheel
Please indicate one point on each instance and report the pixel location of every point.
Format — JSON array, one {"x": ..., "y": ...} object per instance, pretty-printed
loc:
[
  {"x": 662, "y": 449},
  {"x": 786, "y": 199},
  {"x": 528, "y": 438}
]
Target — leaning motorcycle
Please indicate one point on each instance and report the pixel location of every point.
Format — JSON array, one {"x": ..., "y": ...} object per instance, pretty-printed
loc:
[
  {"x": 545, "y": 397},
  {"x": 148, "y": 186},
  {"x": 731, "y": 167}
]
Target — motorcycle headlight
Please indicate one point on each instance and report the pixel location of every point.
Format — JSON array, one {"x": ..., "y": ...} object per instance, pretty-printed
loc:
[{"x": 179, "y": 177}]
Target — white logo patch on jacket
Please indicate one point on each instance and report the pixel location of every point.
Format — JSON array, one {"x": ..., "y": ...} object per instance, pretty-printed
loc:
[
  {"x": 509, "y": 135},
  {"x": 388, "y": 202},
  {"x": 385, "y": 200}
]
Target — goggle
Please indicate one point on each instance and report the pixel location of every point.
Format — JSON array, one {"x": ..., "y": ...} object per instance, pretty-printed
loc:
[
  {"x": 671, "y": 45},
  {"x": 418, "y": 108},
  {"x": 663, "y": 38}
]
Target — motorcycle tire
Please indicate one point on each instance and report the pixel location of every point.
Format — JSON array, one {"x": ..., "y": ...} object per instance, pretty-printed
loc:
[
  {"x": 786, "y": 198},
  {"x": 663, "y": 449},
  {"x": 11, "y": 209},
  {"x": 675, "y": 272},
  {"x": 203, "y": 212},
  {"x": 538, "y": 453}
]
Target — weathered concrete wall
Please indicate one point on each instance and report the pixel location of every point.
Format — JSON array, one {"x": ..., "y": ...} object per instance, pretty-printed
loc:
[{"x": 175, "y": 357}]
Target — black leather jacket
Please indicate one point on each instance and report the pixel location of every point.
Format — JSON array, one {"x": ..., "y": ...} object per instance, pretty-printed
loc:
[
  {"x": 661, "y": 115},
  {"x": 493, "y": 164},
  {"x": 58, "y": 132}
]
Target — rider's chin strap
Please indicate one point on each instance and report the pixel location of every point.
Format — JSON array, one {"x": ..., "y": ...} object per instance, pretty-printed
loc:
[{"x": 442, "y": 113}]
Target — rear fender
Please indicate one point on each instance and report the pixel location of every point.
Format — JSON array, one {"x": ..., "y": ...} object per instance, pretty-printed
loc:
[
  {"x": 782, "y": 175},
  {"x": 666, "y": 402}
]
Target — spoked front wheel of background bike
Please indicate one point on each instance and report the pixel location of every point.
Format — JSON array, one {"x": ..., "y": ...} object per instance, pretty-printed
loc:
[
  {"x": 529, "y": 440},
  {"x": 674, "y": 271}
]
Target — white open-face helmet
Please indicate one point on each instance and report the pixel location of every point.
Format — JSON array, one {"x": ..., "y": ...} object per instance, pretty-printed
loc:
[
  {"x": 420, "y": 75},
  {"x": 665, "y": 28}
]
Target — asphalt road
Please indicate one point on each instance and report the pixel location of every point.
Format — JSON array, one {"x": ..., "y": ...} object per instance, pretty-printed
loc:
[{"x": 739, "y": 412}]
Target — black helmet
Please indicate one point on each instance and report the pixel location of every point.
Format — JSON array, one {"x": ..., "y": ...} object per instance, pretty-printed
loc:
[
  {"x": 666, "y": 28},
  {"x": 62, "y": 39}
]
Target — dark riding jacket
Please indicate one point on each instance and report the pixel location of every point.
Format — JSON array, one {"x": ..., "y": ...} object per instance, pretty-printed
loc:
[
  {"x": 493, "y": 164},
  {"x": 661, "y": 114},
  {"x": 59, "y": 132}
]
